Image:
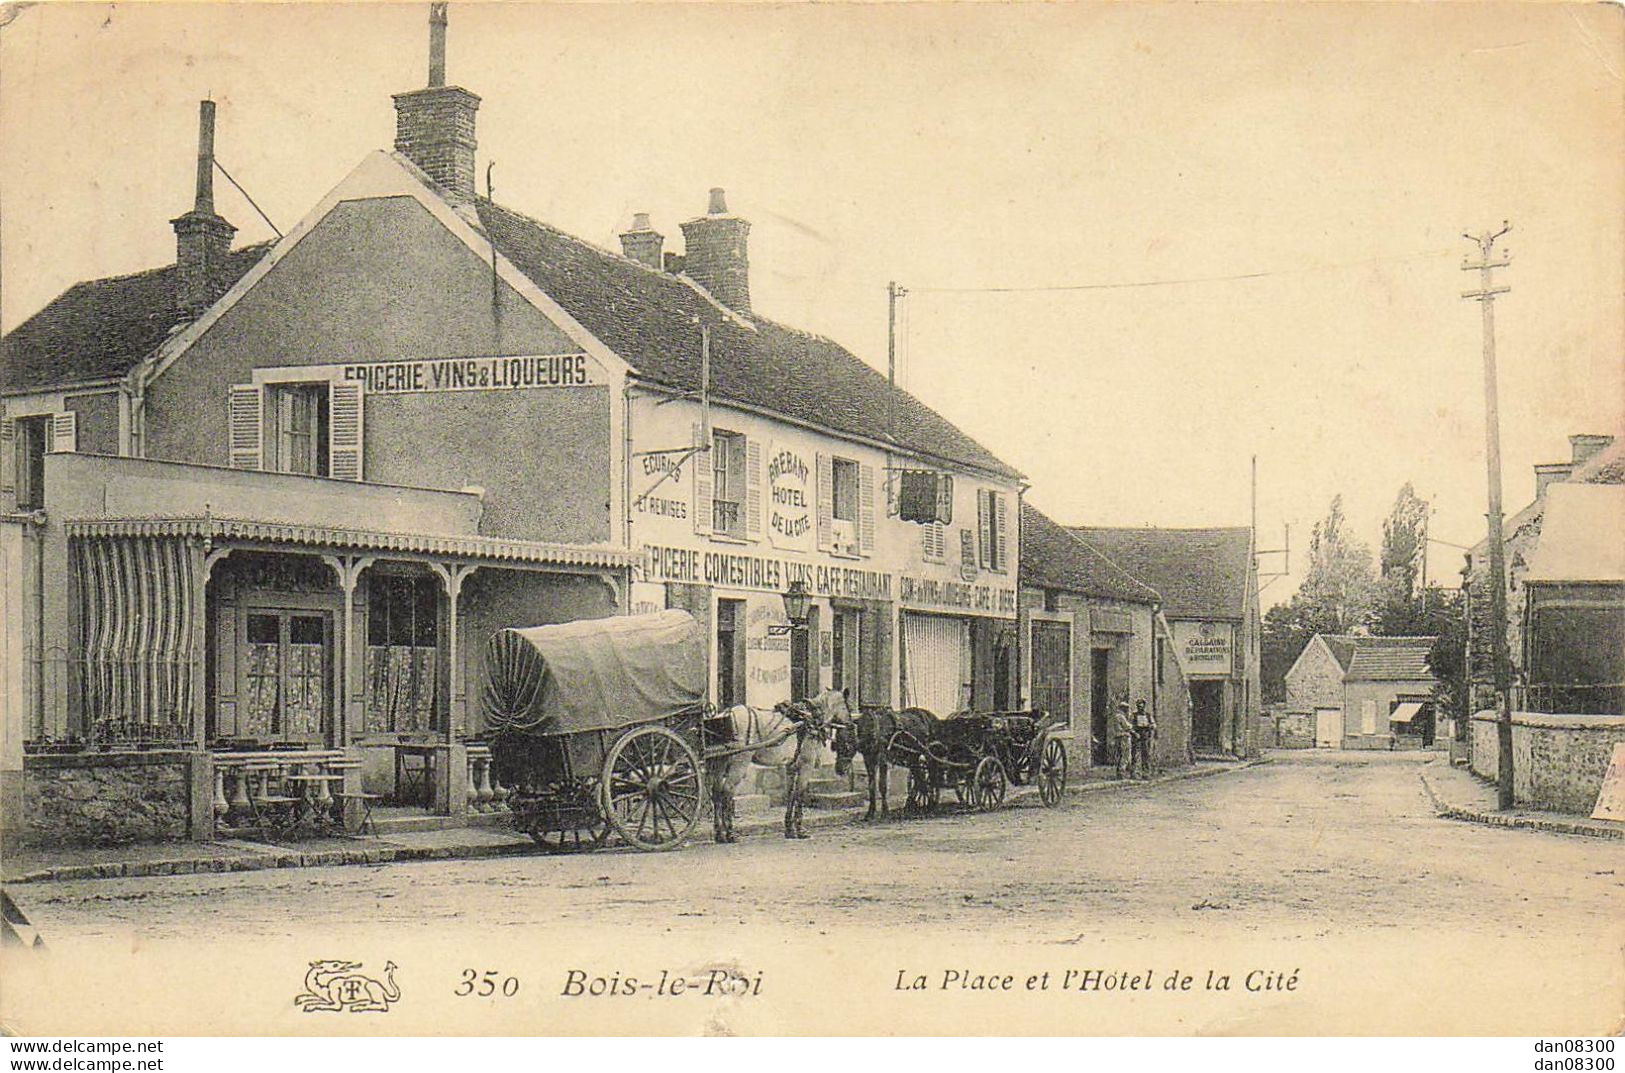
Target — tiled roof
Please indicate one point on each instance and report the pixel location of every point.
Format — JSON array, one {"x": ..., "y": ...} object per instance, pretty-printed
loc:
[
  {"x": 648, "y": 318},
  {"x": 1390, "y": 659},
  {"x": 1054, "y": 558},
  {"x": 1342, "y": 646},
  {"x": 100, "y": 329},
  {"x": 1201, "y": 573}
]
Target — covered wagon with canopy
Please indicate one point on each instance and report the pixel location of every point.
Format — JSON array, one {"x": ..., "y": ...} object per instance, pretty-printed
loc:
[{"x": 596, "y": 726}]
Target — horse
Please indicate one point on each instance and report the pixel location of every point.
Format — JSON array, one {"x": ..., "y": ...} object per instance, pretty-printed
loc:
[
  {"x": 871, "y": 734},
  {"x": 784, "y": 731}
]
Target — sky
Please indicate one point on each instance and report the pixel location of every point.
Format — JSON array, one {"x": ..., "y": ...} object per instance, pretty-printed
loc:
[{"x": 1142, "y": 155}]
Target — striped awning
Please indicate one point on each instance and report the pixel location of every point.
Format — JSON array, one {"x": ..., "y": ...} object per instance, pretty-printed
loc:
[{"x": 247, "y": 531}]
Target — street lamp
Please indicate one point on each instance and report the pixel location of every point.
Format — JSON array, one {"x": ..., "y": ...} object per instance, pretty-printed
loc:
[{"x": 797, "y": 605}]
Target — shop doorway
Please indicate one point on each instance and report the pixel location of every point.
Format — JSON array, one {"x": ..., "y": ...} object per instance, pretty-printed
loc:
[
  {"x": 730, "y": 653},
  {"x": 803, "y": 667},
  {"x": 1099, "y": 701},
  {"x": 287, "y": 675},
  {"x": 1207, "y": 715},
  {"x": 1052, "y": 668}
]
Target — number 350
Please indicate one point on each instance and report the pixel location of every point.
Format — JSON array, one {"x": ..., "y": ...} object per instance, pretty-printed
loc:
[{"x": 487, "y": 984}]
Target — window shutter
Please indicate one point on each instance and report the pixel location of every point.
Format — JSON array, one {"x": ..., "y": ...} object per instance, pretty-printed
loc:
[
  {"x": 1000, "y": 517},
  {"x": 8, "y": 457},
  {"x": 246, "y": 433},
  {"x": 344, "y": 430},
  {"x": 826, "y": 502},
  {"x": 64, "y": 432},
  {"x": 701, "y": 461},
  {"x": 753, "y": 488},
  {"x": 866, "y": 509},
  {"x": 984, "y": 530}
]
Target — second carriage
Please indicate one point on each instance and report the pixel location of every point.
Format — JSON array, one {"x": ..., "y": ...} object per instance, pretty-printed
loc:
[{"x": 979, "y": 755}]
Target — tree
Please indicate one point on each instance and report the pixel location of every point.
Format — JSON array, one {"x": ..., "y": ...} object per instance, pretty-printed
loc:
[
  {"x": 1339, "y": 594},
  {"x": 1404, "y": 543},
  {"x": 1340, "y": 585}
]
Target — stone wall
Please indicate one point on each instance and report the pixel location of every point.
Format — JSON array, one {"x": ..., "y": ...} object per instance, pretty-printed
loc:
[
  {"x": 1291, "y": 730},
  {"x": 1558, "y": 761},
  {"x": 107, "y": 799}
]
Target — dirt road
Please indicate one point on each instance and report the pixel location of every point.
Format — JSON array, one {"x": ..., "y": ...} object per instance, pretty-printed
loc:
[{"x": 1310, "y": 846}]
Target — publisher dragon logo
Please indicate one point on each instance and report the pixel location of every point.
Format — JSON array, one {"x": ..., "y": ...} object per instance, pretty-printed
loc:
[{"x": 337, "y": 986}]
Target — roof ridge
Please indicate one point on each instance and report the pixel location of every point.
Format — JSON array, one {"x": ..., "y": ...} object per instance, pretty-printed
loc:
[
  {"x": 154, "y": 270},
  {"x": 1163, "y": 528}
]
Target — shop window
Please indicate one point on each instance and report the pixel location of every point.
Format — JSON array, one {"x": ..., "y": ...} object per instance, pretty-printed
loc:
[
  {"x": 300, "y": 439},
  {"x": 33, "y": 442},
  {"x": 730, "y": 653},
  {"x": 403, "y": 617},
  {"x": 728, "y": 483}
]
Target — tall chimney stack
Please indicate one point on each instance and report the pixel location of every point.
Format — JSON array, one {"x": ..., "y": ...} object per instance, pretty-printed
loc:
[
  {"x": 202, "y": 236},
  {"x": 717, "y": 257},
  {"x": 643, "y": 243},
  {"x": 434, "y": 126}
]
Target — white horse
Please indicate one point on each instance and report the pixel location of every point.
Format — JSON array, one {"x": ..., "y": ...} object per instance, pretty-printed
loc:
[{"x": 787, "y": 736}]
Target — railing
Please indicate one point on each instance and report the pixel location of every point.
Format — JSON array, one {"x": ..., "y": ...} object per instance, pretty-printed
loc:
[
  {"x": 485, "y": 794},
  {"x": 276, "y": 787},
  {"x": 101, "y": 700},
  {"x": 725, "y": 516}
]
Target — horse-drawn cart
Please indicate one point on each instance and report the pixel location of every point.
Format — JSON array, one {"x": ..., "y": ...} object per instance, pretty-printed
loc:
[
  {"x": 597, "y": 727},
  {"x": 602, "y": 727},
  {"x": 979, "y": 754}
]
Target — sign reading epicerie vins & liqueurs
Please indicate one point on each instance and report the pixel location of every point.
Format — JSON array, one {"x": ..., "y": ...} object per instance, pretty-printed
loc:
[
  {"x": 1204, "y": 648},
  {"x": 472, "y": 374}
]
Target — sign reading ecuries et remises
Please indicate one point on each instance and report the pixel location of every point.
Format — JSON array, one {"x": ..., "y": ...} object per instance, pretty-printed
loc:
[
  {"x": 1204, "y": 648},
  {"x": 472, "y": 374}
]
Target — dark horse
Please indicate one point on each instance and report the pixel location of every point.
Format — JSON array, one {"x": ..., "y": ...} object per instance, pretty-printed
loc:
[{"x": 871, "y": 734}]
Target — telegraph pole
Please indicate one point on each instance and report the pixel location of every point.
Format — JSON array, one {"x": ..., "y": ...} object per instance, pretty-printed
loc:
[
  {"x": 893, "y": 293},
  {"x": 1485, "y": 296}
]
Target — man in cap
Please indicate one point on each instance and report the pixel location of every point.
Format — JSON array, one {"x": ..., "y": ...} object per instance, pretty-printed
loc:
[
  {"x": 1145, "y": 729},
  {"x": 1122, "y": 735}
]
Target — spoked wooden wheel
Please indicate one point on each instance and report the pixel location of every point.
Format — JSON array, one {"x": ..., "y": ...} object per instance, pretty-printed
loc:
[
  {"x": 988, "y": 784},
  {"x": 1052, "y": 773},
  {"x": 572, "y": 840},
  {"x": 651, "y": 788}
]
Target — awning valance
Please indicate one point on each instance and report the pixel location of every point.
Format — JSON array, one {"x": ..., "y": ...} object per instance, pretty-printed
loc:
[
  {"x": 1405, "y": 713},
  {"x": 439, "y": 545}
]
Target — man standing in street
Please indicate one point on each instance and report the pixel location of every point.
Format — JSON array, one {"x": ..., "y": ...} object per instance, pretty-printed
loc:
[
  {"x": 1122, "y": 738},
  {"x": 1145, "y": 729}
]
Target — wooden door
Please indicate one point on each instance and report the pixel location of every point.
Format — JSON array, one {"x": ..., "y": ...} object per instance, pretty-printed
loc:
[
  {"x": 287, "y": 675},
  {"x": 1052, "y": 668}
]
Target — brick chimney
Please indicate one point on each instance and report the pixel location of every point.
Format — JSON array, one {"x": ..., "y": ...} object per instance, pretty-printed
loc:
[
  {"x": 643, "y": 243},
  {"x": 1584, "y": 447},
  {"x": 434, "y": 126},
  {"x": 202, "y": 236},
  {"x": 716, "y": 256},
  {"x": 1550, "y": 473}
]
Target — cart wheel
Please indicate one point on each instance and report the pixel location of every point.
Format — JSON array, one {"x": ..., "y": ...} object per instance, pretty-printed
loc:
[
  {"x": 1052, "y": 773},
  {"x": 651, "y": 788},
  {"x": 572, "y": 840},
  {"x": 988, "y": 784}
]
